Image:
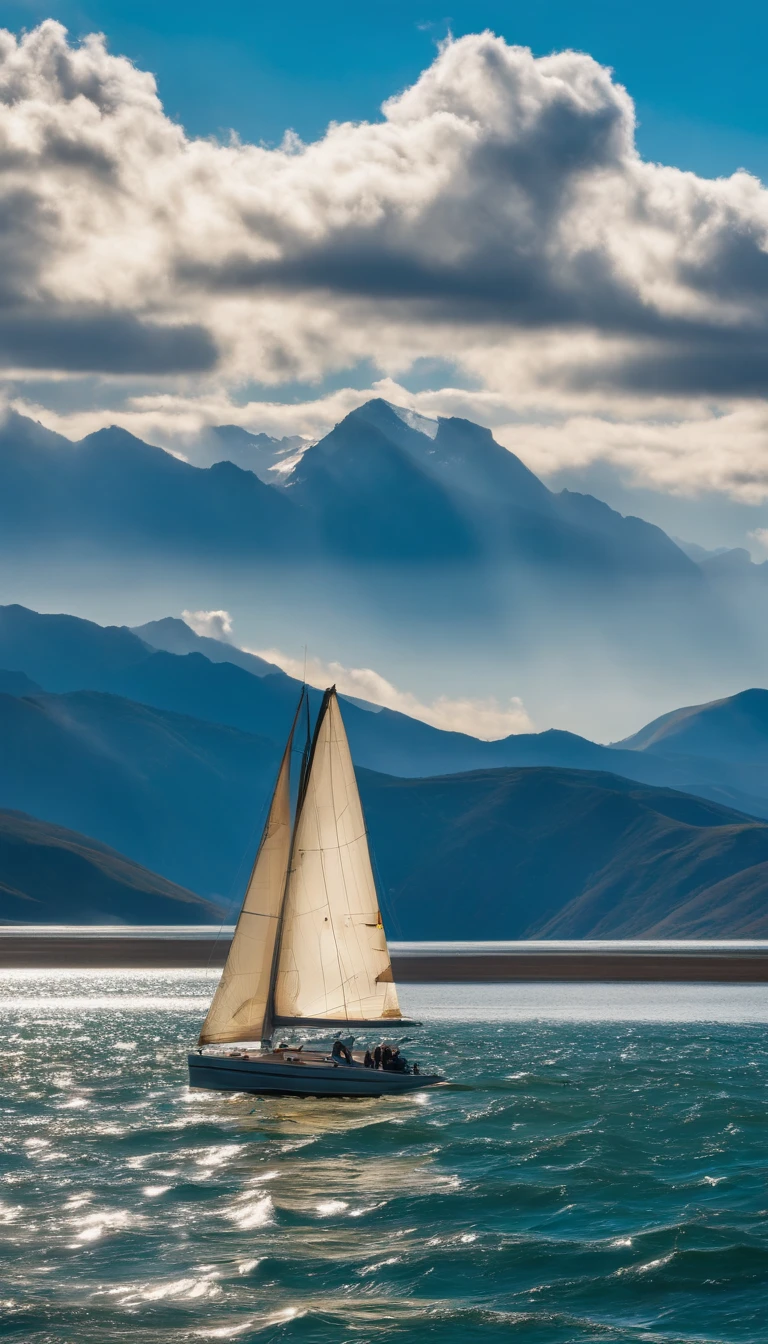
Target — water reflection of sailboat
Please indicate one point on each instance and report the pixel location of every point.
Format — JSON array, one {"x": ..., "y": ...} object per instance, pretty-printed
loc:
[{"x": 309, "y": 948}]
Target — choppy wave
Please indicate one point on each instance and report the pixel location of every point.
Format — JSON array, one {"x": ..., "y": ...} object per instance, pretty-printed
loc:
[{"x": 587, "y": 1181}]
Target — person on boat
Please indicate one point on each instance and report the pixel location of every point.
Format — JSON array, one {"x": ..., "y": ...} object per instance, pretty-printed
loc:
[
  {"x": 341, "y": 1053},
  {"x": 377, "y": 1057},
  {"x": 386, "y": 1056},
  {"x": 368, "y": 1061},
  {"x": 398, "y": 1063}
]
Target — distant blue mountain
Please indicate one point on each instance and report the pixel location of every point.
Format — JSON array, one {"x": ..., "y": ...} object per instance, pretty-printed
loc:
[
  {"x": 113, "y": 493},
  {"x": 548, "y": 853},
  {"x": 65, "y": 654},
  {"x": 425, "y": 537},
  {"x": 388, "y": 485},
  {"x": 391, "y": 531},
  {"x": 384, "y": 486},
  {"x": 503, "y": 853},
  {"x": 734, "y": 729},
  {"x": 169, "y": 759},
  {"x": 180, "y": 797},
  {"x": 259, "y": 453},
  {"x": 174, "y": 636},
  {"x": 51, "y": 875},
  {"x": 17, "y": 683}
]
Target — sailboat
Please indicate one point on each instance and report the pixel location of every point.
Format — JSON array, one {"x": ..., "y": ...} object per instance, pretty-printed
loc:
[{"x": 309, "y": 949}]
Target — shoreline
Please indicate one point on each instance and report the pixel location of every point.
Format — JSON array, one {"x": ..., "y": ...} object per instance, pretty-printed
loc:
[{"x": 162, "y": 948}]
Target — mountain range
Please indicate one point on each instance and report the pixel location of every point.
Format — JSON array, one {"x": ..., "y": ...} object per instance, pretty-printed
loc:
[
  {"x": 267, "y": 457},
  {"x": 734, "y": 729},
  {"x": 388, "y": 484},
  {"x": 383, "y": 485},
  {"x": 62, "y": 654},
  {"x": 424, "y": 538},
  {"x": 169, "y": 758},
  {"x": 543, "y": 853},
  {"x": 113, "y": 494},
  {"x": 181, "y": 797}
]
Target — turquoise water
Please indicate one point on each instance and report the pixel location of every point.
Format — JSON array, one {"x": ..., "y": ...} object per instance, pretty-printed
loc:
[{"x": 600, "y": 1175}]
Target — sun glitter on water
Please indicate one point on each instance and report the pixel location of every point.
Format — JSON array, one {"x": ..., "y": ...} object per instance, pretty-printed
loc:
[{"x": 595, "y": 1175}]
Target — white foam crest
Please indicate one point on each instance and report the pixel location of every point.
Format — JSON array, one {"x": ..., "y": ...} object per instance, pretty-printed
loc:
[{"x": 252, "y": 1213}]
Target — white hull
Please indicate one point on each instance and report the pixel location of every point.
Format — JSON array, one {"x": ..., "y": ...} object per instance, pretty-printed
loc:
[{"x": 274, "y": 1076}]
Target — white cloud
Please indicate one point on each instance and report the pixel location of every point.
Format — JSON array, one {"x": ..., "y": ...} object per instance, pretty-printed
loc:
[
  {"x": 480, "y": 718},
  {"x": 760, "y": 537},
  {"x": 485, "y": 719},
  {"x": 498, "y": 216},
  {"x": 707, "y": 449},
  {"x": 213, "y": 624},
  {"x": 726, "y": 452},
  {"x": 500, "y": 194}
]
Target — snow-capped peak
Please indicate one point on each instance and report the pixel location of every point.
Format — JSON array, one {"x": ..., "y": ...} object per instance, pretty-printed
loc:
[{"x": 421, "y": 423}]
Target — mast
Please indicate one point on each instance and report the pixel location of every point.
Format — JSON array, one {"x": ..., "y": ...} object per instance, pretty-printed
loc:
[
  {"x": 243, "y": 995},
  {"x": 331, "y": 963}
]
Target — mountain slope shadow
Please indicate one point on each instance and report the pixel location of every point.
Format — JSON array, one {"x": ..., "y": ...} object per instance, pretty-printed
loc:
[{"x": 51, "y": 875}]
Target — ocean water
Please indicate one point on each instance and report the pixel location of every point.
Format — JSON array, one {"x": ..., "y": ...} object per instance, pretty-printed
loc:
[{"x": 596, "y": 1172}]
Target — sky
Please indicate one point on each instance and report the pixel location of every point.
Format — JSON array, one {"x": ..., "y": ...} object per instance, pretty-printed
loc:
[
  {"x": 695, "y": 70},
  {"x": 556, "y": 226}
]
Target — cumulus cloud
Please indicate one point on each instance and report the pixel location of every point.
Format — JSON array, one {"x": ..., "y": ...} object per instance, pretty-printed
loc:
[
  {"x": 486, "y": 718},
  {"x": 497, "y": 215},
  {"x": 212, "y": 624},
  {"x": 723, "y": 452},
  {"x": 499, "y": 194},
  {"x": 759, "y": 536},
  {"x": 708, "y": 449}
]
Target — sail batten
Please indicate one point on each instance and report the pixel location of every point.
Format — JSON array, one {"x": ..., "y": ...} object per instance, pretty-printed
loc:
[{"x": 241, "y": 1004}]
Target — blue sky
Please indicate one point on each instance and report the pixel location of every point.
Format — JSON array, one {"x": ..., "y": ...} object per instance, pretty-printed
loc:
[{"x": 695, "y": 69}]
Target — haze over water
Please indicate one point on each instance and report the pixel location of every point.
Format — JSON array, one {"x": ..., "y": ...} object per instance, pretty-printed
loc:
[{"x": 599, "y": 1175}]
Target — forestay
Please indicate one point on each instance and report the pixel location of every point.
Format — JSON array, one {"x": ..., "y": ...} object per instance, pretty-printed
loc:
[
  {"x": 333, "y": 964},
  {"x": 240, "y": 1004}
]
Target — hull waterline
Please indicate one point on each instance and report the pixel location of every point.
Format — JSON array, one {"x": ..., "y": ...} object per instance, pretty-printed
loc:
[{"x": 272, "y": 1076}]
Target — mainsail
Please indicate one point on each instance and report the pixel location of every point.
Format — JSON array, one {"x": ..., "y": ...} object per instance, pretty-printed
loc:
[
  {"x": 332, "y": 964},
  {"x": 241, "y": 1002}
]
